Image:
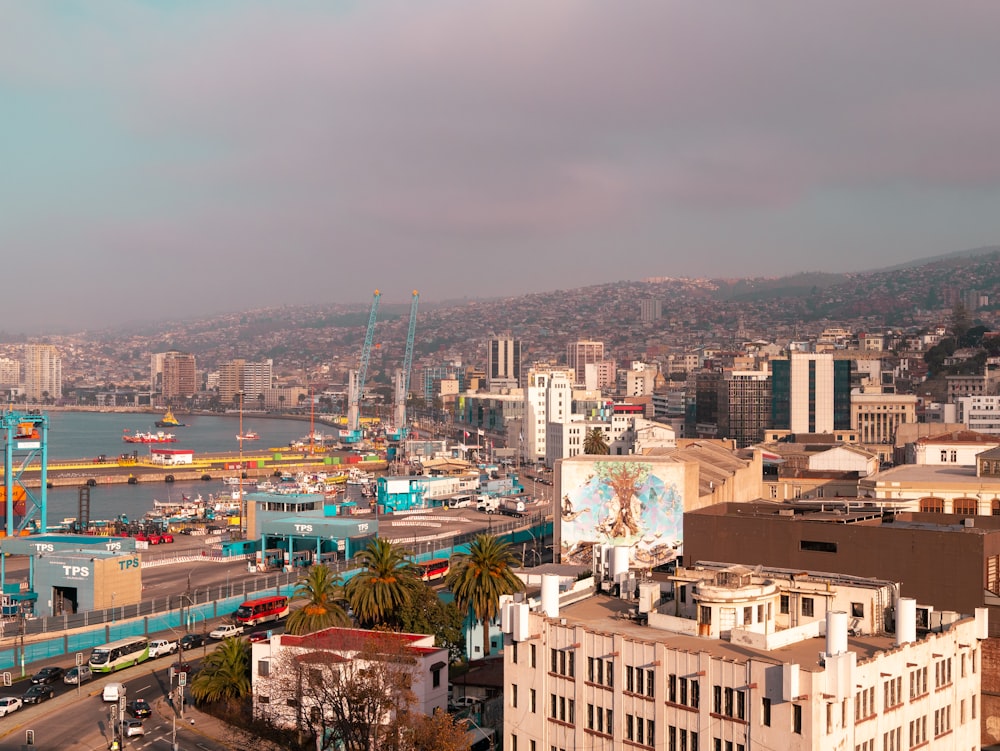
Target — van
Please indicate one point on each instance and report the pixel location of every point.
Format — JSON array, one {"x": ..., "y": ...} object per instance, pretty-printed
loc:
[
  {"x": 113, "y": 692},
  {"x": 79, "y": 674}
]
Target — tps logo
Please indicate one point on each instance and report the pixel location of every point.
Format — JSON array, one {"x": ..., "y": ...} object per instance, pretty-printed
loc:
[
  {"x": 44, "y": 547},
  {"x": 128, "y": 563},
  {"x": 113, "y": 545},
  {"x": 303, "y": 527},
  {"x": 76, "y": 572}
]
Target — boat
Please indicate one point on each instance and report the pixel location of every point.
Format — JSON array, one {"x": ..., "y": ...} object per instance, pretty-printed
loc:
[
  {"x": 248, "y": 436},
  {"x": 169, "y": 421},
  {"x": 141, "y": 437}
]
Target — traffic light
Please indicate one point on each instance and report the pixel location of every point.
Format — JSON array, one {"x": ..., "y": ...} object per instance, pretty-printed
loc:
[{"x": 29, "y": 737}]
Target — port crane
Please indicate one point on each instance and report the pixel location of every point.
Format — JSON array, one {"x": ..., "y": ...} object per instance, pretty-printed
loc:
[
  {"x": 356, "y": 381},
  {"x": 402, "y": 378},
  {"x": 26, "y": 436}
]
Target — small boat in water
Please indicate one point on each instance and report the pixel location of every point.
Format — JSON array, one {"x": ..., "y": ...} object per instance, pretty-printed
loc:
[
  {"x": 169, "y": 421},
  {"x": 141, "y": 437},
  {"x": 248, "y": 436}
]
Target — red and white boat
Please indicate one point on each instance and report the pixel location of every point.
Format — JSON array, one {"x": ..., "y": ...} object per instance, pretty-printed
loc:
[
  {"x": 248, "y": 436},
  {"x": 141, "y": 437}
]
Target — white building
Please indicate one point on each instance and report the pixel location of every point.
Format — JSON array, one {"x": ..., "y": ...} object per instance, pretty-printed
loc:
[
  {"x": 342, "y": 650},
  {"x": 979, "y": 413},
  {"x": 548, "y": 396},
  {"x": 955, "y": 448},
  {"x": 42, "y": 372},
  {"x": 739, "y": 659}
]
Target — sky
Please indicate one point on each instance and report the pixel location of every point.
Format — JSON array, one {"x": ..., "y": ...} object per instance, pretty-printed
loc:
[{"x": 167, "y": 159}]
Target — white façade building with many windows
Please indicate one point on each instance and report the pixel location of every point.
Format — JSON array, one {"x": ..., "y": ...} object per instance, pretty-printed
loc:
[{"x": 728, "y": 658}]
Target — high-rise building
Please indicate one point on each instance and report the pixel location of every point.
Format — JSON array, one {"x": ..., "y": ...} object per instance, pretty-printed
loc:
[
  {"x": 548, "y": 397},
  {"x": 811, "y": 393},
  {"x": 252, "y": 378},
  {"x": 10, "y": 372},
  {"x": 581, "y": 353},
  {"x": 650, "y": 310},
  {"x": 744, "y": 406},
  {"x": 503, "y": 362},
  {"x": 178, "y": 378},
  {"x": 42, "y": 372}
]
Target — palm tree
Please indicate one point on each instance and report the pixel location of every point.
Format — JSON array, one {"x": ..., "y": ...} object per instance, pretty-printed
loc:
[
  {"x": 480, "y": 577},
  {"x": 320, "y": 588},
  {"x": 225, "y": 674},
  {"x": 384, "y": 584},
  {"x": 595, "y": 442}
]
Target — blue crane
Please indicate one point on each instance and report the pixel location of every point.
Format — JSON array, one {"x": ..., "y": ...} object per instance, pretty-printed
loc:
[
  {"x": 403, "y": 377},
  {"x": 25, "y": 435},
  {"x": 356, "y": 384}
]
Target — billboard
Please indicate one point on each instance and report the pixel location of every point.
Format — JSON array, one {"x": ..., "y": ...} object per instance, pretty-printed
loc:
[{"x": 634, "y": 503}]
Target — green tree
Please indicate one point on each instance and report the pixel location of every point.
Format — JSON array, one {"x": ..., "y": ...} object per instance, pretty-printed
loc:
[
  {"x": 480, "y": 577},
  {"x": 427, "y": 614},
  {"x": 320, "y": 588},
  {"x": 595, "y": 442},
  {"x": 225, "y": 675},
  {"x": 384, "y": 586}
]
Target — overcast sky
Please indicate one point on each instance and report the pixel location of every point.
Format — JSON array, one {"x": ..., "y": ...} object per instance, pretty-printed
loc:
[{"x": 167, "y": 159}]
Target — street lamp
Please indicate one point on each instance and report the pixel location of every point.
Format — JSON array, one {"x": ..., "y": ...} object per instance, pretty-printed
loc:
[{"x": 112, "y": 607}]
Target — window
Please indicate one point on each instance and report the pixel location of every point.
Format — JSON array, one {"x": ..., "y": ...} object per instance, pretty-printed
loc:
[
  {"x": 797, "y": 719},
  {"x": 705, "y": 615},
  {"x": 436, "y": 678},
  {"x": 263, "y": 668},
  {"x": 765, "y": 708},
  {"x": 717, "y": 699},
  {"x": 918, "y": 731},
  {"x": 532, "y": 699},
  {"x": 783, "y": 608},
  {"x": 513, "y": 695},
  {"x": 672, "y": 688},
  {"x": 748, "y": 615},
  {"x": 531, "y": 656},
  {"x": 857, "y": 610},
  {"x": 807, "y": 607},
  {"x": 817, "y": 546}
]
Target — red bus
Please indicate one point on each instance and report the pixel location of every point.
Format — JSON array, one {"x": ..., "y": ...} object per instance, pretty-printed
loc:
[
  {"x": 252, "y": 612},
  {"x": 436, "y": 568}
]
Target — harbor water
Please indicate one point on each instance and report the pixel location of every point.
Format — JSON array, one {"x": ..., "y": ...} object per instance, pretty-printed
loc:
[{"x": 86, "y": 435}]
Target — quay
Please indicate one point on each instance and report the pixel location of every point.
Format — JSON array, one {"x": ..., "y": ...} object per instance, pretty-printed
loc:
[{"x": 255, "y": 465}]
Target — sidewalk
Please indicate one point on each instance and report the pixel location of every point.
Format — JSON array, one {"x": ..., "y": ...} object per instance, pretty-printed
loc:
[{"x": 198, "y": 722}]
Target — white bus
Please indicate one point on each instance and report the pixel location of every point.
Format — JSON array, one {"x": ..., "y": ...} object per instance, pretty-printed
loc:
[{"x": 116, "y": 655}]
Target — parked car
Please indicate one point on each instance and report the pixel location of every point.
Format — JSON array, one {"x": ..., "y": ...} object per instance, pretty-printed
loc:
[
  {"x": 48, "y": 674},
  {"x": 160, "y": 647},
  {"x": 179, "y": 667},
  {"x": 9, "y": 704},
  {"x": 259, "y": 636},
  {"x": 134, "y": 727},
  {"x": 38, "y": 693},
  {"x": 226, "y": 630},
  {"x": 166, "y": 537},
  {"x": 79, "y": 674},
  {"x": 190, "y": 641},
  {"x": 139, "y": 708}
]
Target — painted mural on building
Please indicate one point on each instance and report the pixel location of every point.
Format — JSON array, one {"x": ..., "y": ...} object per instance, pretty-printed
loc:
[{"x": 638, "y": 504}]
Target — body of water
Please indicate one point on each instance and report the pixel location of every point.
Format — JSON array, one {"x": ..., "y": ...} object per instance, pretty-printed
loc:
[{"x": 85, "y": 435}]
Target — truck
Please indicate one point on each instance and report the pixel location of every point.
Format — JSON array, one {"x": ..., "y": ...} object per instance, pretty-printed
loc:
[
  {"x": 160, "y": 647},
  {"x": 487, "y": 504},
  {"x": 512, "y": 507}
]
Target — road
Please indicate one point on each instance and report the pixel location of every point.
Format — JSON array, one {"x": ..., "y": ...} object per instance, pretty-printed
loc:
[{"x": 72, "y": 722}]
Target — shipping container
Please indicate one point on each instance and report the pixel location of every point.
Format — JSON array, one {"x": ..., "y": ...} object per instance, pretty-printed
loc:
[{"x": 277, "y": 457}]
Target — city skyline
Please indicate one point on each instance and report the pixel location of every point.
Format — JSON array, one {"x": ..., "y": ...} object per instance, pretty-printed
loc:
[{"x": 214, "y": 158}]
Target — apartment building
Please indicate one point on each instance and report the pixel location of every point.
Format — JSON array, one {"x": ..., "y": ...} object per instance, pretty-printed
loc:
[
  {"x": 42, "y": 372},
  {"x": 252, "y": 378},
  {"x": 503, "y": 362},
  {"x": 581, "y": 353},
  {"x": 179, "y": 375},
  {"x": 730, "y": 658},
  {"x": 744, "y": 405}
]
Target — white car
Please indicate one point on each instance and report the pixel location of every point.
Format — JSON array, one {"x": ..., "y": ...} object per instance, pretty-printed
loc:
[
  {"x": 9, "y": 704},
  {"x": 134, "y": 727},
  {"x": 160, "y": 647},
  {"x": 226, "y": 630}
]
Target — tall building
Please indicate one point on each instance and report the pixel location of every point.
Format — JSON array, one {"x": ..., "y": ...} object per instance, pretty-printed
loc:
[
  {"x": 811, "y": 393},
  {"x": 179, "y": 377},
  {"x": 252, "y": 378},
  {"x": 650, "y": 310},
  {"x": 581, "y": 353},
  {"x": 744, "y": 406},
  {"x": 503, "y": 362},
  {"x": 10, "y": 372},
  {"x": 548, "y": 397},
  {"x": 42, "y": 372}
]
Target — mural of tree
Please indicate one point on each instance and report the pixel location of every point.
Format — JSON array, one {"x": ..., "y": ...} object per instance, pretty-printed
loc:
[{"x": 625, "y": 479}]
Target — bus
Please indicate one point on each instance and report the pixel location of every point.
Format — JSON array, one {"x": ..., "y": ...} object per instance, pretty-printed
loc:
[
  {"x": 263, "y": 610},
  {"x": 116, "y": 655},
  {"x": 436, "y": 568}
]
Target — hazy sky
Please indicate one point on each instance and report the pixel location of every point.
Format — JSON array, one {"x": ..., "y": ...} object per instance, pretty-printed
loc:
[{"x": 167, "y": 159}]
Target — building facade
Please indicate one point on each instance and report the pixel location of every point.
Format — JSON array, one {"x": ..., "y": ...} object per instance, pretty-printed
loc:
[
  {"x": 744, "y": 405},
  {"x": 503, "y": 362},
  {"x": 811, "y": 393},
  {"x": 42, "y": 372},
  {"x": 179, "y": 376},
  {"x": 581, "y": 353}
]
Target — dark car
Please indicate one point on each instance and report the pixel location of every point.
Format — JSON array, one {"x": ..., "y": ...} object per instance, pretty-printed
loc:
[
  {"x": 38, "y": 693},
  {"x": 47, "y": 675},
  {"x": 259, "y": 636},
  {"x": 139, "y": 708},
  {"x": 190, "y": 641}
]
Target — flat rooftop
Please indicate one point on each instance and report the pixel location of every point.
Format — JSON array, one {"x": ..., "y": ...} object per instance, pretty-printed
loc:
[{"x": 609, "y": 615}]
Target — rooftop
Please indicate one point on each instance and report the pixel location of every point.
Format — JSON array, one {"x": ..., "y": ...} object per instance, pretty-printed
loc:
[{"x": 611, "y": 615}]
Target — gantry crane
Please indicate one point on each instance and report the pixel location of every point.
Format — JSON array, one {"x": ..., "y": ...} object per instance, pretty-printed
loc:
[
  {"x": 25, "y": 436},
  {"x": 356, "y": 381},
  {"x": 402, "y": 380}
]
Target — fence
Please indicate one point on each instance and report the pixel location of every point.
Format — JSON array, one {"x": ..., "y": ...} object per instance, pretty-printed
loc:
[{"x": 189, "y": 610}]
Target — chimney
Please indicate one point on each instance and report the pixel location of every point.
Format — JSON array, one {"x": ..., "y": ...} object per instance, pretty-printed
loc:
[
  {"x": 836, "y": 632},
  {"x": 906, "y": 621}
]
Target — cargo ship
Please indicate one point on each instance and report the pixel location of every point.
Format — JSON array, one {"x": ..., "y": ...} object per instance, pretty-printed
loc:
[
  {"x": 157, "y": 437},
  {"x": 169, "y": 421}
]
